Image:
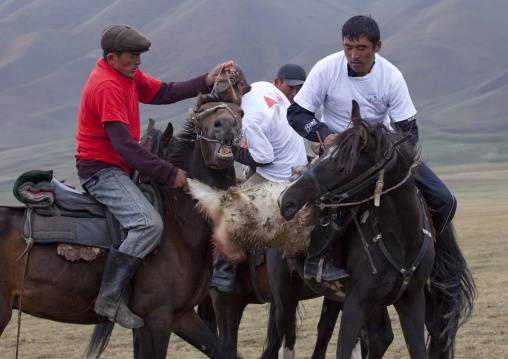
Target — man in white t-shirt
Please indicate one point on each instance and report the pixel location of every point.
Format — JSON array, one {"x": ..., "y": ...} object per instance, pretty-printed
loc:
[
  {"x": 273, "y": 146},
  {"x": 359, "y": 73}
]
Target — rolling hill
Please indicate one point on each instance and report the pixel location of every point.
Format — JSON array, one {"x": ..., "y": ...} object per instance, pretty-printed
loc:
[{"x": 451, "y": 52}]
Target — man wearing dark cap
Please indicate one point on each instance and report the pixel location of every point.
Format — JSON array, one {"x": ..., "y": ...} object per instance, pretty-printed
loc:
[
  {"x": 108, "y": 151},
  {"x": 273, "y": 146},
  {"x": 290, "y": 79}
]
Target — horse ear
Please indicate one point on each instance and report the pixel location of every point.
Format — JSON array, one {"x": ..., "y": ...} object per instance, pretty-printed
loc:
[
  {"x": 355, "y": 114},
  {"x": 192, "y": 117},
  {"x": 151, "y": 125},
  {"x": 167, "y": 135},
  {"x": 200, "y": 100}
]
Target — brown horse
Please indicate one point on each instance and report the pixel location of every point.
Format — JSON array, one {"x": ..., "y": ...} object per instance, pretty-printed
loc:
[
  {"x": 223, "y": 312},
  {"x": 172, "y": 279}
]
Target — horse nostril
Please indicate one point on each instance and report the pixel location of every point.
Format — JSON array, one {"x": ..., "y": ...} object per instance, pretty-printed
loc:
[{"x": 288, "y": 210}]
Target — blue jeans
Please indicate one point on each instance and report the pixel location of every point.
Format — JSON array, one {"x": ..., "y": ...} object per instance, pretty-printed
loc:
[
  {"x": 113, "y": 187},
  {"x": 437, "y": 195}
]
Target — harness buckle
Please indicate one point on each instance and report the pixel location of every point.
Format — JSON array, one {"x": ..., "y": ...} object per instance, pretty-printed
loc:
[{"x": 322, "y": 223}]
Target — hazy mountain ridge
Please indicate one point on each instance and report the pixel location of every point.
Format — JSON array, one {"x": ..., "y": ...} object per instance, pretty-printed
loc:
[{"x": 451, "y": 52}]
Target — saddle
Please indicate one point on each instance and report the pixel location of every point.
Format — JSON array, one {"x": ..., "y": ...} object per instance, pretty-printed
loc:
[{"x": 75, "y": 217}]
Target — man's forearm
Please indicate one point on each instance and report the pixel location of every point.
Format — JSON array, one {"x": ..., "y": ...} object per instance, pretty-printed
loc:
[
  {"x": 305, "y": 123},
  {"x": 408, "y": 126},
  {"x": 245, "y": 158}
]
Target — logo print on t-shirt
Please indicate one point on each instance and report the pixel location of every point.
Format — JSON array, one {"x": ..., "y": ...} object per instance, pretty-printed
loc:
[
  {"x": 270, "y": 102},
  {"x": 374, "y": 99}
]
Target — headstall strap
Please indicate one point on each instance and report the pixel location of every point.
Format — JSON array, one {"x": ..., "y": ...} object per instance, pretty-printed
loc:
[
  {"x": 199, "y": 115},
  {"x": 379, "y": 188}
]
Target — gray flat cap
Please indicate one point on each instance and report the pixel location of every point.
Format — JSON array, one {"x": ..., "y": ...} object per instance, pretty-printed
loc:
[{"x": 120, "y": 38}]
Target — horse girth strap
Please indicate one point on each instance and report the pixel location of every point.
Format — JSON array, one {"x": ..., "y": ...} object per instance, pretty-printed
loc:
[{"x": 406, "y": 273}]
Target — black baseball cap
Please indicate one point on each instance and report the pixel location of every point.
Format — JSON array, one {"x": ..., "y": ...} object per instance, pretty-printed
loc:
[
  {"x": 292, "y": 74},
  {"x": 120, "y": 38}
]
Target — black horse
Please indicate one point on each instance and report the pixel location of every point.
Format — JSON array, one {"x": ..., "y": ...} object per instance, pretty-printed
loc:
[
  {"x": 389, "y": 248},
  {"x": 171, "y": 281}
]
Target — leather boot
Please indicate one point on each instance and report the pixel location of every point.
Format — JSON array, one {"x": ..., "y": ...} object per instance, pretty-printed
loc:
[
  {"x": 110, "y": 302},
  {"x": 316, "y": 265},
  {"x": 224, "y": 274}
]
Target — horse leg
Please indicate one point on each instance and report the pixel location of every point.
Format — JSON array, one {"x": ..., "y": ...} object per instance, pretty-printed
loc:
[
  {"x": 329, "y": 314},
  {"x": 207, "y": 313},
  {"x": 155, "y": 334},
  {"x": 193, "y": 330},
  {"x": 285, "y": 289},
  {"x": 136, "y": 346},
  {"x": 379, "y": 332},
  {"x": 412, "y": 321},
  {"x": 228, "y": 311},
  {"x": 354, "y": 313},
  {"x": 5, "y": 317}
]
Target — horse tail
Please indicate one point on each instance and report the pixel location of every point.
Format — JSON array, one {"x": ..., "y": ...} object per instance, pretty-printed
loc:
[
  {"x": 450, "y": 296},
  {"x": 273, "y": 342},
  {"x": 99, "y": 340}
]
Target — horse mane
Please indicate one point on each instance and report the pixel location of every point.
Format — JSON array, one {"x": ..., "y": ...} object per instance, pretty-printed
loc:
[
  {"x": 348, "y": 145},
  {"x": 182, "y": 147}
]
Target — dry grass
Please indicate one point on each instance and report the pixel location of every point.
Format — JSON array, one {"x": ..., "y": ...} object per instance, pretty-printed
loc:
[{"x": 482, "y": 226}]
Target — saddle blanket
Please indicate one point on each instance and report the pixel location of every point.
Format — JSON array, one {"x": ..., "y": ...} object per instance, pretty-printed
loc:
[{"x": 75, "y": 217}]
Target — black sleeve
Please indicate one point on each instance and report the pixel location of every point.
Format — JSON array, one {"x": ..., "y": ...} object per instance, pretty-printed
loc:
[
  {"x": 244, "y": 157},
  {"x": 305, "y": 124},
  {"x": 408, "y": 126},
  {"x": 137, "y": 156}
]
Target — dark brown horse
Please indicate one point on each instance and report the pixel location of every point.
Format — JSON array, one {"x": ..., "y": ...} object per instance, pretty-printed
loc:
[
  {"x": 223, "y": 312},
  {"x": 389, "y": 250},
  {"x": 171, "y": 281}
]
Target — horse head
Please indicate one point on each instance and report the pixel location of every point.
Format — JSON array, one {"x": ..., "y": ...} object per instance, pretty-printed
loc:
[
  {"x": 157, "y": 142},
  {"x": 347, "y": 172},
  {"x": 218, "y": 126}
]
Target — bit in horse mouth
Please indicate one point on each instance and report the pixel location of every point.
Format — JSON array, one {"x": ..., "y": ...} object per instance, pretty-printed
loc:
[
  {"x": 224, "y": 151},
  {"x": 304, "y": 213}
]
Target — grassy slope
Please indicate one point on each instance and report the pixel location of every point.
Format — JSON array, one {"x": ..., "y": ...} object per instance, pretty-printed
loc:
[{"x": 482, "y": 226}]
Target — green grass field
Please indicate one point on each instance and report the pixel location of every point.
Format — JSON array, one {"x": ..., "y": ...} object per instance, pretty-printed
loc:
[{"x": 481, "y": 223}]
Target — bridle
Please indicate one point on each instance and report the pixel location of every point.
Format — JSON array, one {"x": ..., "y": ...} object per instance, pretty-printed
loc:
[
  {"x": 197, "y": 115},
  {"x": 358, "y": 184}
]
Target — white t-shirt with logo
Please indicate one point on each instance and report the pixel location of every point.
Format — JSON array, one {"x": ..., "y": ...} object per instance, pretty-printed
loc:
[
  {"x": 329, "y": 87},
  {"x": 268, "y": 135}
]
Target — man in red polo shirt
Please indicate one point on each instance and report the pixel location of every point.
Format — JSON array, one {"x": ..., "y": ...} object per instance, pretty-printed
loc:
[{"x": 108, "y": 151}]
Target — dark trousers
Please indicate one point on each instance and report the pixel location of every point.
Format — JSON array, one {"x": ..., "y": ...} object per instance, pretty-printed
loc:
[{"x": 437, "y": 195}]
